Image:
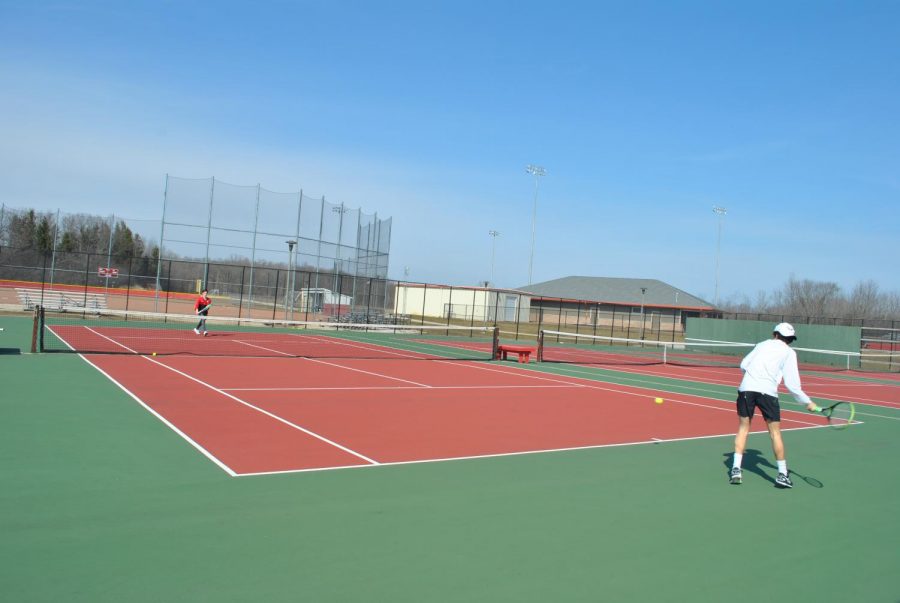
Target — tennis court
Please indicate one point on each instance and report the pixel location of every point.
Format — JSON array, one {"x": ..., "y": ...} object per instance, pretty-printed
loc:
[{"x": 406, "y": 465}]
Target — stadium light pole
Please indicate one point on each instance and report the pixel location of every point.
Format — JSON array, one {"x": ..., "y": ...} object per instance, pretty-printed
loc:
[
  {"x": 494, "y": 234},
  {"x": 721, "y": 212},
  {"x": 536, "y": 171}
]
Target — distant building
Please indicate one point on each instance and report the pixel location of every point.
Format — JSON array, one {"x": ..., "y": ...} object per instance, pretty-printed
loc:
[
  {"x": 616, "y": 304},
  {"x": 610, "y": 306}
]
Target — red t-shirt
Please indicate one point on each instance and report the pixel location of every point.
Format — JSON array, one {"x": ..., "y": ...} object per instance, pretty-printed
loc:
[{"x": 202, "y": 304}]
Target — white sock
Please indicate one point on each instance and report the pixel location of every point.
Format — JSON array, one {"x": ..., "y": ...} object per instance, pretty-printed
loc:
[
  {"x": 738, "y": 457},
  {"x": 782, "y": 467}
]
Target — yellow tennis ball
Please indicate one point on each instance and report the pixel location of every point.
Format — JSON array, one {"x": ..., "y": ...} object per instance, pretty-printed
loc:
[
  {"x": 154, "y": 353},
  {"x": 658, "y": 400}
]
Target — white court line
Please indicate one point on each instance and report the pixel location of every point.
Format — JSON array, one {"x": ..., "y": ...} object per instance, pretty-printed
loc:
[
  {"x": 507, "y": 454},
  {"x": 247, "y": 404},
  {"x": 165, "y": 421},
  {"x": 849, "y": 382},
  {"x": 695, "y": 387},
  {"x": 523, "y": 372},
  {"x": 372, "y": 373},
  {"x": 373, "y": 347},
  {"x": 397, "y": 387},
  {"x": 579, "y": 369},
  {"x": 542, "y": 377},
  {"x": 259, "y": 347},
  {"x": 528, "y": 375},
  {"x": 592, "y": 385},
  {"x": 339, "y": 366},
  {"x": 814, "y": 385},
  {"x": 871, "y": 414}
]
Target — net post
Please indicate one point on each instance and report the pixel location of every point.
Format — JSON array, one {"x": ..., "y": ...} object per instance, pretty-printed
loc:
[
  {"x": 540, "y": 346},
  {"x": 35, "y": 329},
  {"x": 42, "y": 321},
  {"x": 495, "y": 342}
]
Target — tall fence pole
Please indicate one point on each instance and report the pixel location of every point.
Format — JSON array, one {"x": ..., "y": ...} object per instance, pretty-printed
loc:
[
  {"x": 356, "y": 266},
  {"x": 241, "y": 293},
  {"x": 87, "y": 278},
  {"x": 275, "y": 297},
  {"x": 128, "y": 286},
  {"x": 337, "y": 259},
  {"x": 168, "y": 286},
  {"x": 43, "y": 276},
  {"x": 53, "y": 259},
  {"x": 162, "y": 230},
  {"x": 112, "y": 224},
  {"x": 294, "y": 254},
  {"x": 212, "y": 194},
  {"x": 387, "y": 247},
  {"x": 424, "y": 298},
  {"x": 319, "y": 245},
  {"x": 252, "y": 256}
]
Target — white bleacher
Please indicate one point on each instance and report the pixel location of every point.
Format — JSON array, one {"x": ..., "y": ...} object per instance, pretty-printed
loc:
[{"x": 56, "y": 300}]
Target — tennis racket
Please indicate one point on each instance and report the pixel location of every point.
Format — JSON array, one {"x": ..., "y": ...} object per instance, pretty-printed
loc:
[{"x": 840, "y": 415}]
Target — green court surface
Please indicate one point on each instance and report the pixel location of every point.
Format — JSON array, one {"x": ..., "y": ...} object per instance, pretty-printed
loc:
[{"x": 103, "y": 502}]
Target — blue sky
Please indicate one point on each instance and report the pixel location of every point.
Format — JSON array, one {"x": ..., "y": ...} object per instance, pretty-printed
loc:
[{"x": 644, "y": 114}]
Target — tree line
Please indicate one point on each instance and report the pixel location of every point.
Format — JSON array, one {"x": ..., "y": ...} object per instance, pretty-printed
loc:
[
  {"x": 805, "y": 297},
  {"x": 81, "y": 233},
  {"x": 83, "y": 242}
]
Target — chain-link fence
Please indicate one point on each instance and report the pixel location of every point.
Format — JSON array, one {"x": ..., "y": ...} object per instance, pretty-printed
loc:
[
  {"x": 29, "y": 276},
  {"x": 216, "y": 224},
  {"x": 212, "y": 220},
  {"x": 98, "y": 280}
]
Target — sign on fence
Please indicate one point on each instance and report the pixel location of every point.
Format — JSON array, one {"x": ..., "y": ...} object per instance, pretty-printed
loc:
[{"x": 104, "y": 272}]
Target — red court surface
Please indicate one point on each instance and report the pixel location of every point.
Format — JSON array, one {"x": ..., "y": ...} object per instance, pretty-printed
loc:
[
  {"x": 270, "y": 415},
  {"x": 135, "y": 339}
]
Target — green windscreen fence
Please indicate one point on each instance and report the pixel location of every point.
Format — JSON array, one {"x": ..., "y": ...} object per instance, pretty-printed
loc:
[{"x": 810, "y": 337}]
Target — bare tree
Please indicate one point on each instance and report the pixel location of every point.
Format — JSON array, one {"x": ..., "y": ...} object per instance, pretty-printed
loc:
[
  {"x": 817, "y": 299},
  {"x": 811, "y": 298}
]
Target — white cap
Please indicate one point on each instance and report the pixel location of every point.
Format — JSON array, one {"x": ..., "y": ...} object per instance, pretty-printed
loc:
[{"x": 785, "y": 329}]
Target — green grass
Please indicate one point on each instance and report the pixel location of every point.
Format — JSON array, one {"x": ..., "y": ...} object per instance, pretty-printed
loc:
[{"x": 102, "y": 502}]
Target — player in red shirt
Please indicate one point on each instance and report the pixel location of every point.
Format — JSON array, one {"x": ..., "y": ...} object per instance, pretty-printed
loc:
[{"x": 201, "y": 307}]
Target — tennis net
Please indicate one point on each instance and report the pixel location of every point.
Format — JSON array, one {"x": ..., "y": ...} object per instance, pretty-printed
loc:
[
  {"x": 557, "y": 346},
  {"x": 130, "y": 332}
]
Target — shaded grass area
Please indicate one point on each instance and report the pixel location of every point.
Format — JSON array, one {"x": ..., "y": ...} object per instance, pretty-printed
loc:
[{"x": 102, "y": 502}]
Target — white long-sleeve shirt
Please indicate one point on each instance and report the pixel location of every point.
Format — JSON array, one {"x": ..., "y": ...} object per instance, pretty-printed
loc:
[{"x": 766, "y": 365}]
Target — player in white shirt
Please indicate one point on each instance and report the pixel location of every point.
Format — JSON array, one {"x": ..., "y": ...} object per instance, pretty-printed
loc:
[{"x": 764, "y": 368}]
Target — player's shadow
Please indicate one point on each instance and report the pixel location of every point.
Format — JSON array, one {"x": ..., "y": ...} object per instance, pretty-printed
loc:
[{"x": 755, "y": 462}]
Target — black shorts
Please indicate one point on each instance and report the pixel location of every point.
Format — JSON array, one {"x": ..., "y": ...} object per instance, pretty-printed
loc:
[{"x": 768, "y": 405}]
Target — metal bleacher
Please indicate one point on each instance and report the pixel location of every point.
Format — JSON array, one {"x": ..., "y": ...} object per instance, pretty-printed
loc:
[
  {"x": 57, "y": 300},
  {"x": 362, "y": 318}
]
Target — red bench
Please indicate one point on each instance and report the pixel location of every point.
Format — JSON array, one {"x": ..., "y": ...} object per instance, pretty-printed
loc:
[{"x": 524, "y": 352}]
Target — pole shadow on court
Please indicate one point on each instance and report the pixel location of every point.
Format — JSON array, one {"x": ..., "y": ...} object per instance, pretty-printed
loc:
[{"x": 755, "y": 462}]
